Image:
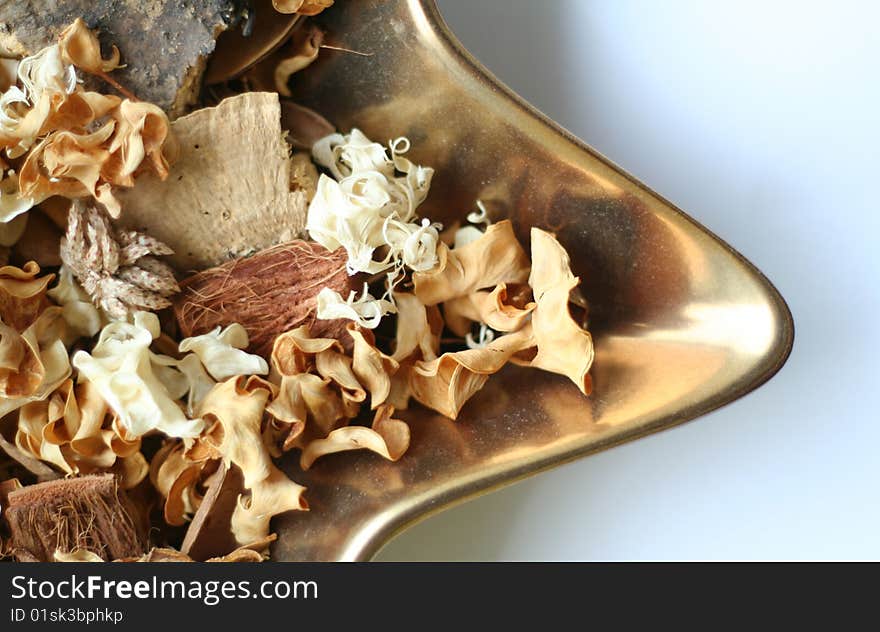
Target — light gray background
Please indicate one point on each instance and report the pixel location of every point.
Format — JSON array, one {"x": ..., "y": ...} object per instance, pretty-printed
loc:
[{"x": 760, "y": 119}]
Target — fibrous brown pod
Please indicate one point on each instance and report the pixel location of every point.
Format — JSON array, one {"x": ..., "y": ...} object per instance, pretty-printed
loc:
[
  {"x": 88, "y": 513},
  {"x": 269, "y": 293}
]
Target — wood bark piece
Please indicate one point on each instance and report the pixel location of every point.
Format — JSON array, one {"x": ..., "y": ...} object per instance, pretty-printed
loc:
[
  {"x": 89, "y": 512},
  {"x": 210, "y": 532},
  {"x": 229, "y": 193},
  {"x": 164, "y": 43},
  {"x": 269, "y": 293}
]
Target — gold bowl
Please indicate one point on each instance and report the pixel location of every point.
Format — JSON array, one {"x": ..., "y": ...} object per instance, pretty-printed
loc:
[{"x": 682, "y": 323}]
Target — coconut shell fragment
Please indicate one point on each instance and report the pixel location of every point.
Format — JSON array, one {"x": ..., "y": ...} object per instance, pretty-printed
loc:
[
  {"x": 229, "y": 193},
  {"x": 88, "y": 513},
  {"x": 272, "y": 292}
]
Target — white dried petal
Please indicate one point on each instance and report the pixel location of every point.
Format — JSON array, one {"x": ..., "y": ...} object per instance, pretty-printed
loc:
[
  {"x": 221, "y": 353},
  {"x": 123, "y": 369}
]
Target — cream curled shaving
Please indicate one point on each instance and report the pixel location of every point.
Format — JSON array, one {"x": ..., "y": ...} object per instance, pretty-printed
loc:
[
  {"x": 369, "y": 209},
  {"x": 143, "y": 387},
  {"x": 46, "y": 72},
  {"x": 365, "y": 310},
  {"x": 466, "y": 234}
]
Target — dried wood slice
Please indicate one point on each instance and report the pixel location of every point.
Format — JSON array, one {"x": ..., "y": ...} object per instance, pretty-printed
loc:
[
  {"x": 164, "y": 43},
  {"x": 88, "y": 513},
  {"x": 210, "y": 532},
  {"x": 230, "y": 192}
]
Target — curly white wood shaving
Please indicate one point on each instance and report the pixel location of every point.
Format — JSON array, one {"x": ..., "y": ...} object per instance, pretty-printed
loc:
[{"x": 366, "y": 310}]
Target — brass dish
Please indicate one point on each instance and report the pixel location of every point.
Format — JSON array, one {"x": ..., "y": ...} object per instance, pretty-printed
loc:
[{"x": 682, "y": 323}]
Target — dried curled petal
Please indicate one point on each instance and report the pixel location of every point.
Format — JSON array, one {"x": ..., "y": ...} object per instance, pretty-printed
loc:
[
  {"x": 221, "y": 353},
  {"x": 79, "y": 46},
  {"x": 387, "y": 437},
  {"x": 494, "y": 258},
  {"x": 237, "y": 405},
  {"x": 497, "y": 309},
  {"x": 33, "y": 363},
  {"x": 303, "y": 7},
  {"x": 83, "y": 319},
  {"x": 369, "y": 210},
  {"x": 124, "y": 370},
  {"x": 73, "y": 430},
  {"x": 22, "y": 294},
  {"x": 418, "y": 329},
  {"x": 562, "y": 345},
  {"x": 365, "y": 310},
  {"x": 143, "y": 132},
  {"x": 445, "y": 384}
]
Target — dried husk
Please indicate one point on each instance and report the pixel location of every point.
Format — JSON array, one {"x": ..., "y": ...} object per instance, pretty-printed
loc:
[
  {"x": 230, "y": 194},
  {"x": 269, "y": 293},
  {"x": 89, "y": 513}
]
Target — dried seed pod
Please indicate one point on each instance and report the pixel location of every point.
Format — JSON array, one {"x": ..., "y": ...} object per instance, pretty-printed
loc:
[
  {"x": 89, "y": 513},
  {"x": 268, "y": 293},
  {"x": 116, "y": 268}
]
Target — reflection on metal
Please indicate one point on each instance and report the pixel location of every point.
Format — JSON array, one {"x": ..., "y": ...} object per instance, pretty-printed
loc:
[{"x": 682, "y": 323}]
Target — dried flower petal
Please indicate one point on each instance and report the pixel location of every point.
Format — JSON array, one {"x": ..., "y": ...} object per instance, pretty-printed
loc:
[
  {"x": 33, "y": 363},
  {"x": 22, "y": 294},
  {"x": 494, "y": 258},
  {"x": 387, "y": 437},
  {"x": 83, "y": 319},
  {"x": 445, "y": 384},
  {"x": 123, "y": 369},
  {"x": 79, "y": 46},
  {"x": 562, "y": 346},
  {"x": 366, "y": 310},
  {"x": 303, "y": 7},
  {"x": 495, "y": 309},
  {"x": 221, "y": 353},
  {"x": 238, "y": 405}
]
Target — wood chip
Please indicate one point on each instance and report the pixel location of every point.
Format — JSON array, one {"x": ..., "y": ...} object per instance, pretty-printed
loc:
[
  {"x": 210, "y": 532},
  {"x": 164, "y": 43},
  {"x": 89, "y": 512},
  {"x": 230, "y": 192}
]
